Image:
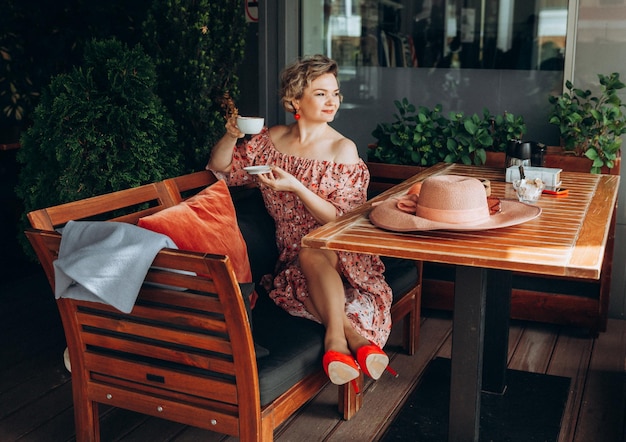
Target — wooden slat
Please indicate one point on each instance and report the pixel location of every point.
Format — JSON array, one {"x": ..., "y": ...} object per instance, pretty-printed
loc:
[
  {"x": 185, "y": 356},
  {"x": 603, "y": 410},
  {"x": 213, "y": 388},
  {"x": 165, "y": 307},
  {"x": 193, "y": 181},
  {"x": 219, "y": 406},
  {"x": 570, "y": 358},
  {"x": 160, "y": 332},
  {"x": 89, "y": 207},
  {"x": 157, "y": 195},
  {"x": 177, "y": 411},
  {"x": 178, "y": 298},
  {"x": 178, "y": 188},
  {"x": 534, "y": 349}
]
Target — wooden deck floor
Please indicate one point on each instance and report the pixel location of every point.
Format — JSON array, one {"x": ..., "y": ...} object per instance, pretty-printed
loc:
[{"x": 36, "y": 398}]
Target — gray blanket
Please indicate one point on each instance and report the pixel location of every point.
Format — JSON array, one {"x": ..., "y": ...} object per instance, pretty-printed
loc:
[{"x": 105, "y": 261}]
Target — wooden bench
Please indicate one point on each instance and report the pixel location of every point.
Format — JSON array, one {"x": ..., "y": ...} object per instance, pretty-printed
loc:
[{"x": 186, "y": 352}]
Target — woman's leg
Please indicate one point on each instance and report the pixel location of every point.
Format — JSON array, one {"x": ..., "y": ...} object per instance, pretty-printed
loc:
[{"x": 327, "y": 300}]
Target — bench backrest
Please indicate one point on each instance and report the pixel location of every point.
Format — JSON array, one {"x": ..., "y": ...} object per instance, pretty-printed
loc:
[
  {"x": 135, "y": 202},
  {"x": 141, "y": 201},
  {"x": 174, "y": 356}
]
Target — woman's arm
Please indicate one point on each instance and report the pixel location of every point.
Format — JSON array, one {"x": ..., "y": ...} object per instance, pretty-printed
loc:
[
  {"x": 322, "y": 210},
  {"x": 222, "y": 153}
]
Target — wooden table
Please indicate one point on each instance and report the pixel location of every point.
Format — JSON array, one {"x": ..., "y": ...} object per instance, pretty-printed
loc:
[{"x": 567, "y": 239}]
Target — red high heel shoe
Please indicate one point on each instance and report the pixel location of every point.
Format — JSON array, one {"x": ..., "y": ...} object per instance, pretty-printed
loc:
[
  {"x": 373, "y": 361},
  {"x": 341, "y": 368}
]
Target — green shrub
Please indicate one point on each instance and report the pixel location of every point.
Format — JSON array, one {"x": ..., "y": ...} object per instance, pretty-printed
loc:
[
  {"x": 36, "y": 43},
  {"x": 197, "y": 47},
  {"x": 98, "y": 129}
]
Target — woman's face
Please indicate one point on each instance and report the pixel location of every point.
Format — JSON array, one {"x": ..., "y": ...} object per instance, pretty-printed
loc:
[{"x": 320, "y": 101}]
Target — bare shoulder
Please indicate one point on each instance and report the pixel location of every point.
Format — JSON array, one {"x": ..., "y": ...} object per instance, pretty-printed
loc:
[
  {"x": 279, "y": 131},
  {"x": 344, "y": 150}
]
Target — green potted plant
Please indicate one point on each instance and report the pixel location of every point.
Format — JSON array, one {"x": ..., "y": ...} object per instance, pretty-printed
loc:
[
  {"x": 504, "y": 128},
  {"x": 420, "y": 136},
  {"x": 97, "y": 129},
  {"x": 467, "y": 139},
  {"x": 414, "y": 138},
  {"x": 591, "y": 125}
]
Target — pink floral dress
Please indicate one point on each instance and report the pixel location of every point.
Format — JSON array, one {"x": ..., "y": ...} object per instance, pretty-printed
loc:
[{"x": 368, "y": 297}]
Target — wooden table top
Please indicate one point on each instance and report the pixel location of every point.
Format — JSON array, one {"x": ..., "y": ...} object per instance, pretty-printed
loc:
[{"x": 567, "y": 239}]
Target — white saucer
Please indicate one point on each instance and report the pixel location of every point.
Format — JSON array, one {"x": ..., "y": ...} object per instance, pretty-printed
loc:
[{"x": 256, "y": 170}]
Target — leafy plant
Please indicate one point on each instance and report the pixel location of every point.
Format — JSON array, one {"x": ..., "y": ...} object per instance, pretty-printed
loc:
[
  {"x": 18, "y": 94},
  {"x": 504, "y": 128},
  {"x": 416, "y": 137},
  {"x": 423, "y": 137},
  {"x": 591, "y": 125},
  {"x": 197, "y": 47},
  {"x": 98, "y": 129},
  {"x": 467, "y": 139},
  {"x": 16, "y": 88}
]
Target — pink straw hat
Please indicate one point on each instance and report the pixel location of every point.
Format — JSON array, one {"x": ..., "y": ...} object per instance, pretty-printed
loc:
[{"x": 450, "y": 202}]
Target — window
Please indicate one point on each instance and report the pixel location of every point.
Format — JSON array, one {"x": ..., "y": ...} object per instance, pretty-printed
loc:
[
  {"x": 503, "y": 55},
  {"x": 484, "y": 34}
]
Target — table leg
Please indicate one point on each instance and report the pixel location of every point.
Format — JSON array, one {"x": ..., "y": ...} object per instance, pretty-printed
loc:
[
  {"x": 467, "y": 353},
  {"x": 498, "y": 312}
]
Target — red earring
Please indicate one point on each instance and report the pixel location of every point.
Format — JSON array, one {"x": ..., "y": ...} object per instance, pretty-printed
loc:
[{"x": 296, "y": 115}]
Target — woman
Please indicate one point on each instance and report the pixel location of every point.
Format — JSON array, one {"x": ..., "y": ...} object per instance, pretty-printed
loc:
[{"x": 316, "y": 175}]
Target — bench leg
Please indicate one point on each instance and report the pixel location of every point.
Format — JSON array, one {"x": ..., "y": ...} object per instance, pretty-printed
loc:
[
  {"x": 409, "y": 310},
  {"x": 411, "y": 333},
  {"x": 412, "y": 321},
  {"x": 267, "y": 430},
  {"x": 87, "y": 421},
  {"x": 349, "y": 401}
]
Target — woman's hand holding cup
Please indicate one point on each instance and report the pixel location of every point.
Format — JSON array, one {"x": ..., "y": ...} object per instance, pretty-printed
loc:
[{"x": 232, "y": 130}]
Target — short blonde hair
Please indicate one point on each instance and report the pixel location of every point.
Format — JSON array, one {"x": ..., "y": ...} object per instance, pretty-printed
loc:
[{"x": 297, "y": 76}]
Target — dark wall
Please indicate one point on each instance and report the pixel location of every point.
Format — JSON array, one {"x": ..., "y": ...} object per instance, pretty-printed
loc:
[{"x": 13, "y": 262}]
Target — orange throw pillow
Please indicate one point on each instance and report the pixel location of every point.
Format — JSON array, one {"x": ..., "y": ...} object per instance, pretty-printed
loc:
[{"x": 206, "y": 223}]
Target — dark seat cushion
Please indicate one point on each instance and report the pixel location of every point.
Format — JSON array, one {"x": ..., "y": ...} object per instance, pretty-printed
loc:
[
  {"x": 295, "y": 345},
  {"x": 258, "y": 230},
  {"x": 401, "y": 275}
]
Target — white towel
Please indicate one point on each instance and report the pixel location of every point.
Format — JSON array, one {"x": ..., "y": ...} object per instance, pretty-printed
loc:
[{"x": 105, "y": 262}]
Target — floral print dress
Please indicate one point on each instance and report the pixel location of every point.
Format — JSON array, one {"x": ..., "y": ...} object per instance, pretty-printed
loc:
[{"x": 368, "y": 297}]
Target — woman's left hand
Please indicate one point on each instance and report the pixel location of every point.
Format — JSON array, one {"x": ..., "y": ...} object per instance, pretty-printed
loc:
[{"x": 279, "y": 180}]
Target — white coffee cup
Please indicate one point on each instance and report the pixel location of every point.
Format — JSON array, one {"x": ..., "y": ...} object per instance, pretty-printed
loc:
[{"x": 250, "y": 125}]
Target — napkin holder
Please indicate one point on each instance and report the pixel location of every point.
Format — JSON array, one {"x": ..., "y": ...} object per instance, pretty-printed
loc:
[{"x": 550, "y": 176}]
